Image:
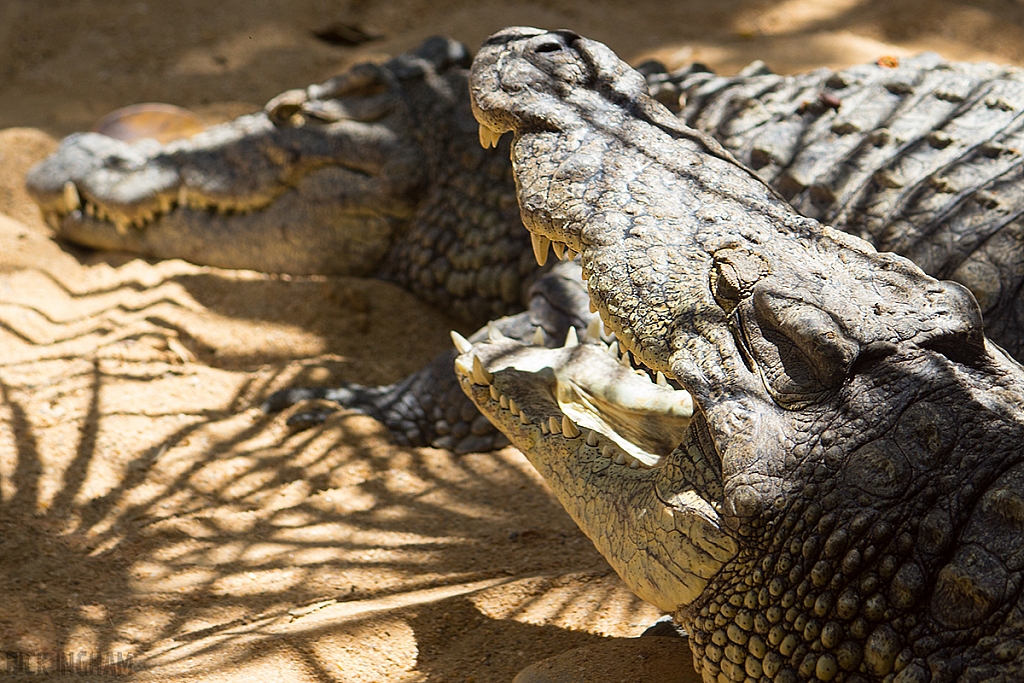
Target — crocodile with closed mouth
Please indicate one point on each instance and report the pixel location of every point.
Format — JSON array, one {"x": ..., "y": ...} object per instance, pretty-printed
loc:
[{"x": 819, "y": 469}]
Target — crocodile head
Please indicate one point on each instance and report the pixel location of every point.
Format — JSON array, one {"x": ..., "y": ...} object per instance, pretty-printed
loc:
[
  {"x": 376, "y": 171},
  {"x": 845, "y": 502}
]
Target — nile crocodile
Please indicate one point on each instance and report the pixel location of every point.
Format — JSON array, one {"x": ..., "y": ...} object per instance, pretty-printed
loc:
[
  {"x": 378, "y": 172},
  {"x": 825, "y": 478}
]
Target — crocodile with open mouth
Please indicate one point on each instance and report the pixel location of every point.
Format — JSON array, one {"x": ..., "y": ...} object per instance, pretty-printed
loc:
[
  {"x": 378, "y": 171},
  {"x": 819, "y": 469}
]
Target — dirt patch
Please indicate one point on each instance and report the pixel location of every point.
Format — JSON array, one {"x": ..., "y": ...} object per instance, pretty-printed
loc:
[{"x": 148, "y": 509}]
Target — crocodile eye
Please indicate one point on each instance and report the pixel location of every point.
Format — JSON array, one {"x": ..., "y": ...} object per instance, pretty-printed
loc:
[{"x": 799, "y": 350}]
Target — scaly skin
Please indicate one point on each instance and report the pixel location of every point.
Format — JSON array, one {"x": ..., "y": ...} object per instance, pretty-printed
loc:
[
  {"x": 375, "y": 172},
  {"x": 845, "y": 501}
]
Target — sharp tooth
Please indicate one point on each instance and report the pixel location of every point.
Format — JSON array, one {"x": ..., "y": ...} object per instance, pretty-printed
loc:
[
  {"x": 554, "y": 425},
  {"x": 544, "y": 429},
  {"x": 523, "y": 420},
  {"x": 607, "y": 451},
  {"x": 559, "y": 249},
  {"x": 624, "y": 360},
  {"x": 494, "y": 393},
  {"x": 463, "y": 367},
  {"x": 488, "y": 137},
  {"x": 571, "y": 339},
  {"x": 494, "y": 334},
  {"x": 620, "y": 459},
  {"x": 512, "y": 407},
  {"x": 540, "y": 248},
  {"x": 591, "y": 437},
  {"x": 660, "y": 378},
  {"x": 634, "y": 465},
  {"x": 538, "y": 337},
  {"x": 570, "y": 255},
  {"x": 462, "y": 344},
  {"x": 504, "y": 402},
  {"x": 71, "y": 198},
  {"x": 569, "y": 428},
  {"x": 613, "y": 349},
  {"x": 480, "y": 373},
  {"x": 182, "y": 196},
  {"x": 593, "y": 333}
]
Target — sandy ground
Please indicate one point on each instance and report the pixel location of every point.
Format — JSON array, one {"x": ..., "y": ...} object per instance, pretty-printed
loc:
[{"x": 148, "y": 509}]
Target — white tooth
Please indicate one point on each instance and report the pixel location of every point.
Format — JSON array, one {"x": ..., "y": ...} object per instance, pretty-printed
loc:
[
  {"x": 660, "y": 379},
  {"x": 569, "y": 428},
  {"x": 512, "y": 407},
  {"x": 540, "y": 248},
  {"x": 494, "y": 393},
  {"x": 462, "y": 344},
  {"x": 494, "y": 334},
  {"x": 480, "y": 373},
  {"x": 570, "y": 255},
  {"x": 504, "y": 402},
  {"x": 624, "y": 360},
  {"x": 559, "y": 250},
  {"x": 463, "y": 367},
  {"x": 571, "y": 339},
  {"x": 620, "y": 459},
  {"x": 538, "y": 337},
  {"x": 71, "y": 198},
  {"x": 182, "y": 196},
  {"x": 554, "y": 425},
  {"x": 593, "y": 333},
  {"x": 634, "y": 465},
  {"x": 607, "y": 451},
  {"x": 591, "y": 437},
  {"x": 613, "y": 350}
]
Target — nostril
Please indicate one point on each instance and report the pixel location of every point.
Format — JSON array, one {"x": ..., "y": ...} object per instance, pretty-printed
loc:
[{"x": 549, "y": 46}]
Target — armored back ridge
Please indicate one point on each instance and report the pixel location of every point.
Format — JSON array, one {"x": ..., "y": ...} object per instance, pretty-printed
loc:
[{"x": 826, "y": 484}]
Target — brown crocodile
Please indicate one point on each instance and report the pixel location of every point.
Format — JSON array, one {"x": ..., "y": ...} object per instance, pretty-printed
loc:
[
  {"x": 378, "y": 171},
  {"x": 822, "y": 475}
]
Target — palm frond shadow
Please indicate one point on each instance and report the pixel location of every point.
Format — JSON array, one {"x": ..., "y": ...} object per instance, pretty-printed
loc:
[{"x": 147, "y": 508}]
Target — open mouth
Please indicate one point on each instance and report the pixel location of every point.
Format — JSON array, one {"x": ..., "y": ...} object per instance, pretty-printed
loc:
[{"x": 585, "y": 392}]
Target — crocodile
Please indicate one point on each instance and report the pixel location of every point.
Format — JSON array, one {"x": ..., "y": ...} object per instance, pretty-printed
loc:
[
  {"x": 918, "y": 156},
  {"x": 817, "y": 464}
]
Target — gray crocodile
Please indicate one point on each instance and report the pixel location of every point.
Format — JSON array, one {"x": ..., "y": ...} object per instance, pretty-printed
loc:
[
  {"x": 378, "y": 171},
  {"x": 821, "y": 471}
]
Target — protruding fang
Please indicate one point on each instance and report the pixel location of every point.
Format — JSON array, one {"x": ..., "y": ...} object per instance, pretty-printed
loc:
[
  {"x": 462, "y": 344},
  {"x": 613, "y": 350},
  {"x": 488, "y": 137},
  {"x": 569, "y": 428},
  {"x": 660, "y": 379},
  {"x": 503, "y": 402},
  {"x": 593, "y": 333},
  {"x": 512, "y": 407},
  {"x": 494, "y": 393},
  {"x": 493, "y": 333},
  {"x": 591, "y": 437},
  {"x": 559, "y": 250},
  {"x": 538, "y": 337},
  {"x": 540, "y": 248},
  {"x": 624, "y": 359},
  {"x": 71, "y": 198},
  {"x": 571, "y": 339},
  {"x": 554, "y": 425},
  {"x": 523, "y": 420},
  {"x": 480, "y": 374}
]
